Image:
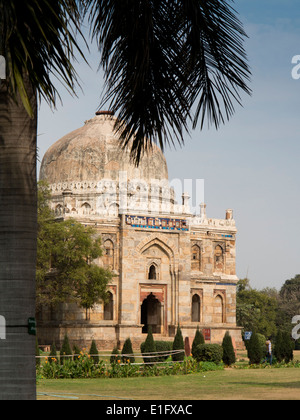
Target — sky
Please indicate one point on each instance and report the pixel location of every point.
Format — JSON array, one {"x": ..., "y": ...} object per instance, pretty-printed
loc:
[{"x": 251, "y": 164}]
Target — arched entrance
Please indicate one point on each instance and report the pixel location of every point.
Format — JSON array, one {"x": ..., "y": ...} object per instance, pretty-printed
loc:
[{"x": 151, "y": 314}]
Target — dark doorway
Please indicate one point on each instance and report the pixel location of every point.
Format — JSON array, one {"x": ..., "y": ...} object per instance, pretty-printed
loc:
[{"x": 151, "y": 315}]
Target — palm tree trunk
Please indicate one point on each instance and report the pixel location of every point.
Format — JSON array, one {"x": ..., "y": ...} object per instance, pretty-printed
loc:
[{"x": 18, "y": 232}]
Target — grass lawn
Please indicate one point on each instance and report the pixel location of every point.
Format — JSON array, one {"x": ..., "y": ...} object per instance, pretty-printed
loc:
[{"x": 245, "y": 384}]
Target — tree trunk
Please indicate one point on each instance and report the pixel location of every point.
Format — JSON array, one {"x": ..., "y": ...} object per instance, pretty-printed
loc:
[{"x": 18, "y": 233}]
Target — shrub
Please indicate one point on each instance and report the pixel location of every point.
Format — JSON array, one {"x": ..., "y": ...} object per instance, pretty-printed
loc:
[
  {"x": 262, "y": 342},
  {"x": 199, "y": 339},
  {"x": 53, "y": 354},
  {"x": 149, "y": 347},
  {"x": 76, "y": 352},
  {"x": 228, "y": 350},
  {"x": 127, "y": 349},
  {"x": 178, "y": 344},
  {"x": 87, "y": 369},
  {"x": 255, "y": 350},
  {"x": 94, "y": 352},
  {"x": 209, "y": 353},
  {"x": 278, "y": 348},
  {"x": 163, "y": 346},
  {"x": 287, "y": 347},
  {"x": 65, "y": 352},
  {"x": 115, "y": 356}
]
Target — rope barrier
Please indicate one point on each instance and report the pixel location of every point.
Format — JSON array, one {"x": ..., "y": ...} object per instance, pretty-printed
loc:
[
  {"x": 150, "y": 355},
  {"x": 136, "y": 355}
]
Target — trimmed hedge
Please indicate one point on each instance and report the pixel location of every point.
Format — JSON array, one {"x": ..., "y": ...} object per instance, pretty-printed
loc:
[
  {"x": 115, "y": 356},
  {"x": 127, "y": 349},
  {"x": 178, "y": 344},
  {"x": 208, "y": 353},
  {"x": 283, "y": 349},
  {"x": 198, "y": 339},
  {"x": 94, "y": 352},
  {"x": 228, "y": 350},
  {"x": 162, "y": 346},
  {"x": 255, "y": 350},
  {"x": 149, "y": 347},
  {"x": 65, "y": 352}
]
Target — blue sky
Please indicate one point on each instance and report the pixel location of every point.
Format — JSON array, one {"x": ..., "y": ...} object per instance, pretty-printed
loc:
[{"x": 251, "y": 164}]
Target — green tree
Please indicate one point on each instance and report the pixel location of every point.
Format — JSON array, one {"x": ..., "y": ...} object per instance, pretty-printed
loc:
[
  {"x": 228, "y": 350},
  {"x": 262, "y": 342},
  {"x": 37, "y": 42},
  {"x": 53, "y": 354},
  {"x": 278, "y": 348},
  {"x": 149, "y": 347},
  {"x": 284, "y": 346},
  {"x": 256, "y": 310},
  {"x": 94, "y": 352},
  {"x": 288, "y": 347},
  {"x": 127, "y": 350},
  {"x": 198, "y": 339},
  {"x": 65, "y": 351},
  {"x": 254, "y": 349},
  {"x": 76, "y": 352},
  {"x": 243, "y": 284},
  {"x": 65, "y": 254},
  {"x": 289, "y": 303},
  {"x": 115, "y": 356},
  {"x": 178, "y": 344}
]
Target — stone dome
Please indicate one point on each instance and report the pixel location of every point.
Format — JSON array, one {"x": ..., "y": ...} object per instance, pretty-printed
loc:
[{"x": 92, "y": 153}]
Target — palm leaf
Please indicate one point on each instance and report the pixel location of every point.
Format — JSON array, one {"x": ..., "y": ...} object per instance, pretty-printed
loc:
[
  {"x": 38, "y": 39},
  {"x": 143, "y": 72},
  {"x": 217, "y": 66},
  {"x": 162, "y": 57}
]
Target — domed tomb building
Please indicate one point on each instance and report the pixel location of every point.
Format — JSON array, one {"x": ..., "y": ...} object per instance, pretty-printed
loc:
[{"x": 169, "y": 266}]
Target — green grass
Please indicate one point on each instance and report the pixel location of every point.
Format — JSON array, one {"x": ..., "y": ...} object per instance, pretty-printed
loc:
[
  {"x": 245, "y": 384},
  {"x": 238, "y": 384}
]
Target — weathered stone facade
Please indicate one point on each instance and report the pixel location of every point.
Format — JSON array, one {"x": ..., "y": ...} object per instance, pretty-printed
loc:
[{"x": 169, "y": 267}]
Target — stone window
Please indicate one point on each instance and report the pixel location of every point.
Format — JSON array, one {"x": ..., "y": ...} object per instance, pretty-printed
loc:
[
  {"x": 108, "y": 257},
  {"x": 196, "y": 258},
  {"x": 109, "y": 308},
  {"x": 195, "y": 308},
  {"x": 219, "y": 258},
  {"x": 152, "y": 273}
]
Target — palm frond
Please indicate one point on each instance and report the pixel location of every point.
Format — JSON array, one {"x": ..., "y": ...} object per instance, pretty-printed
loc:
[
  {"x": 143, "y": 72},
  {"x": 162, "y": 57},
  {"x": 39, "y": 40},
  {"x": 216, "y": 62}
]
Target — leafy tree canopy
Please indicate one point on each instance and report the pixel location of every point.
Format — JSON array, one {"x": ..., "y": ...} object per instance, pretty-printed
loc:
[
  {"x": 256, "y": 310},
  {"x": 289, "y": 302},
  {"x": 65, "y": 268}
]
